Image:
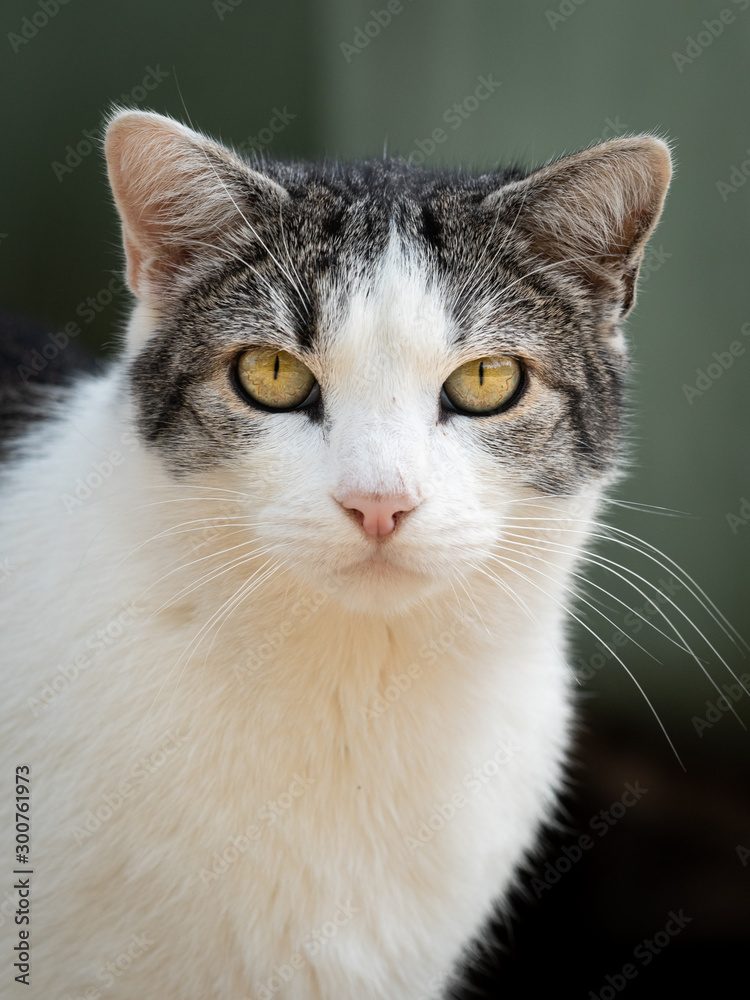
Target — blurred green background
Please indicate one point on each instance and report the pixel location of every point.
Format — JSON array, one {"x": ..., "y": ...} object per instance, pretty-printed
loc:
[{"x": 310, "y": 79}]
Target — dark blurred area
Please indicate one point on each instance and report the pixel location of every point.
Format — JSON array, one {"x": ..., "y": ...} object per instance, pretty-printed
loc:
[
  {"x": 648, "y": 872},
  {"x": 309, "y": 79}
]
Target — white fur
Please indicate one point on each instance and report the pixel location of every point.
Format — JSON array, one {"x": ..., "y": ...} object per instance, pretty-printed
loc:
[{"x": 357, "y": 695}]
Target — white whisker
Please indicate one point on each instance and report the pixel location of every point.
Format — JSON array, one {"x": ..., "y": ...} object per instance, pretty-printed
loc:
[
  {"x": 625, "y": 667},
  {"x": 677, "y": 571}
]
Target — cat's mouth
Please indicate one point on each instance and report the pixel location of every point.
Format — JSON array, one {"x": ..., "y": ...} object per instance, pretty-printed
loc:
[
  {"x": 376, "y": 563},
  {"x": 380, "y": 566},
  {"x": 382, "y": 583}
]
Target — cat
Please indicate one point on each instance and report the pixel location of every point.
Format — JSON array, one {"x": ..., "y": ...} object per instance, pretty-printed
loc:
[{"x": 282, "y": 659}]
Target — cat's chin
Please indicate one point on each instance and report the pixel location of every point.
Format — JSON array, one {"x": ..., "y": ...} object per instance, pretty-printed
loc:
[{"x": 379, "y": 586}]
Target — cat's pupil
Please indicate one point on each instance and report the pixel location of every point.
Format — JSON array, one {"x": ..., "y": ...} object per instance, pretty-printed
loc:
[
  {"x": 276, "y": 367},
  {"x": 481, "y": 372}
]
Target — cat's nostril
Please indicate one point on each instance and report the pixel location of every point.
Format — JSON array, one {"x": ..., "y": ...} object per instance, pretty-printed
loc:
[{"x": 377, "y": 515}]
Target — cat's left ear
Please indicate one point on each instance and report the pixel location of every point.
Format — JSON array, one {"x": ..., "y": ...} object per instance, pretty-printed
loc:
[
  {"x": 184, "y": 201},
  {"x": 589, "y": 215}
]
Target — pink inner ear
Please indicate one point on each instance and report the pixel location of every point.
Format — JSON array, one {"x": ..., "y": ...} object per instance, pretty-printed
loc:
[
  {"x": 156, "y": 252},
  {"x": 177, "y": 194},
  {"x": 149, "y": 159},
  {"x": 592, "y": 212},
  {"x": 134, "y": 258}
]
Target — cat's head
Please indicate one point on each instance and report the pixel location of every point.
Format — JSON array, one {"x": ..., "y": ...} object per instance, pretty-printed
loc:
[{"x": 384, "y": 362}]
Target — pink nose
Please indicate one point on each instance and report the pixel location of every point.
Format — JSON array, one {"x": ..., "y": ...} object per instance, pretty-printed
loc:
[{"x": 378, "y": 517}]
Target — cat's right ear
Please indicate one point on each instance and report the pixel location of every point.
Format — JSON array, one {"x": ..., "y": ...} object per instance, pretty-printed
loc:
[
  {"x": 182, "y": 198},
  {"x": 589, "y": 215}
]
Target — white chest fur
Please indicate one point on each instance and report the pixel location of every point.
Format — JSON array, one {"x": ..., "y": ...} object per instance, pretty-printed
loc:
[{"x": 310, "y": 792}]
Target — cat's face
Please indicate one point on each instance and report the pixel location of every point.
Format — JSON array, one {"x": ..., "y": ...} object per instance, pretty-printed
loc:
[{"x": 384, "y": 363}]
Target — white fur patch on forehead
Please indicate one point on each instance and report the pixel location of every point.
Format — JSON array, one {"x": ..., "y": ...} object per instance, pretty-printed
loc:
[{"x": 390, "y": 333}]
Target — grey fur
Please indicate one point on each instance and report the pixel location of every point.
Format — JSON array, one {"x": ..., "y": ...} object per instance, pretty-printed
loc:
[{"x": 333, "y": 229}]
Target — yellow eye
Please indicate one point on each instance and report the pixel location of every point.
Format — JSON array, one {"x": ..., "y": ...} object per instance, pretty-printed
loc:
[
  {"x": 274, "y": 379},
  {"x": 482, "y": 386}
]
